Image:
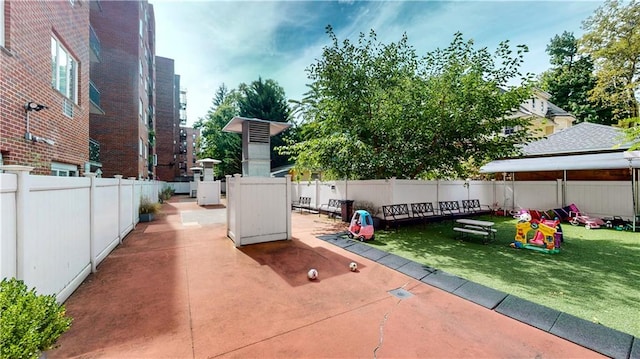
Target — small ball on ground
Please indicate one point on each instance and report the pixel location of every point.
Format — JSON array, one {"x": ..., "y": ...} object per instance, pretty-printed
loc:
[
  {"x": 353, "y": 266},
  {"x": 312, "y": 274}
]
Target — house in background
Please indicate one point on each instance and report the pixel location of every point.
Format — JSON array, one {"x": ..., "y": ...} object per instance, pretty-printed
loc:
[
  {"x": 545, "y": 117},
  {"x": 584, "y": 152},
  {"x": 125, "y": 80},
  {"x": 44, "y": 97}
]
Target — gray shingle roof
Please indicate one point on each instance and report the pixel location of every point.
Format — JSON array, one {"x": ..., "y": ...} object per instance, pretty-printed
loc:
[
  {"x": 554, "y": 110},
  {"x": 583, "y": 137}
]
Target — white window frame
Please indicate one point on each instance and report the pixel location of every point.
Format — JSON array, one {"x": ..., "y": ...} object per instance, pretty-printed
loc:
[
  {"x": 140, "y": 147},
  {"x": 140, "y": 106},
  {"x": 70, "y": 69},
  {"x": 64, "y": 169}
]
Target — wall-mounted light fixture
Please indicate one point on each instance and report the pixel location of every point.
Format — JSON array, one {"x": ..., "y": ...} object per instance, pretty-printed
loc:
[{"x": 32, "y": 106}]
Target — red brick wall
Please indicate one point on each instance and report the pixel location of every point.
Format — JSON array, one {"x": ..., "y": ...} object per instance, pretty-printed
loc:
[
  {"x": 117, "y": 77},
  {"x": 167, "y": 122},
  {"x": 25, "y": 75}
]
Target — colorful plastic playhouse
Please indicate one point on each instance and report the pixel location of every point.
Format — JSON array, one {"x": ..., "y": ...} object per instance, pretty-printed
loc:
[
  {"x": 361, "y": 226},
  {"x": 547, "y": 237}
]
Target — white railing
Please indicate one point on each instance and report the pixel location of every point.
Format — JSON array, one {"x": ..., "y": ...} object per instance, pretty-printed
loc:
[
  {"x": 258, "y": 209},
  {"x": 54, "y": 231},
  {"x": 598, "y": 198}
]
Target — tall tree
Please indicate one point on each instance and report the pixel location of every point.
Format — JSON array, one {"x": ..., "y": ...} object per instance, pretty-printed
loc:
[
  {"x": 612, "y": 39},
  {"x": 570, "y": 80},
  {"x": 266, "y": 100},
  {"x": 224, "y": 146},
  {"x": 379, "y": 110}
]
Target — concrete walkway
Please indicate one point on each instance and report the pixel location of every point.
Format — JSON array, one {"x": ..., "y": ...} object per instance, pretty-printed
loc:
[{"x": 178, "y": 288}]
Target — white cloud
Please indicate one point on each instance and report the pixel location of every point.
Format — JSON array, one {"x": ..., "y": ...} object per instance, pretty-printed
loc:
[{"x": 215, "y": 42}]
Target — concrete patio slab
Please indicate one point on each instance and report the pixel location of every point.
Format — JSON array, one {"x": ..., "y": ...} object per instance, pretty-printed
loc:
[{"x": 187, "y": 292}]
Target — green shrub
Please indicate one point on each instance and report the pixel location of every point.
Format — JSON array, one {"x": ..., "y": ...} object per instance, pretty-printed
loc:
[
  {"x": 146, "y": 206},
  {"x": 29, "y": 323},
  {"x": 166, "y": 193}
]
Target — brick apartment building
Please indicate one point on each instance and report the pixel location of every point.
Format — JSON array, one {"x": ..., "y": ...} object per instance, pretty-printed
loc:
[
  {"x": 188, "y": 152},
  {"x": 125, "y": 81},
  {"x": 167, "y": 118},
  {"x": 44, "y": 85}
]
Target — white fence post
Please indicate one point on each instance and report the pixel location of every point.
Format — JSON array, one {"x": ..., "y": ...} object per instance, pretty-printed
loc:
[
  {"x": 133, "y": 202},
  {"x": 92, "y": 221},
  {"x": 229, "y": 204},
  {"x": 318, "y": 202},
  {"x": 119, "y": 178},
  {"x": 288, "y": 201},
  {"x": 22, "y": 193},
  {"x": 237, "y": 180}
]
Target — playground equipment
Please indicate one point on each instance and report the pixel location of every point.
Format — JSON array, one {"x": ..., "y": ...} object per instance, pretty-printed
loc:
[
  {"x": 361, "y": 226},
  {"x": 573, "y": 215},
  {"x": 547, "y": 237}
]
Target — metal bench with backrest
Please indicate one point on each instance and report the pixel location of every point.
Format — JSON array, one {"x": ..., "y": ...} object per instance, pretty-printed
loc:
[
  {"x": 473, "y": 206},
  {"x": 423, "y": 211},
  {"x": 333, "y": 208},
  {"x": 396, "y": 213},
  {"x": 302, "y": 203},
  {"x": 450, "y": 209}
]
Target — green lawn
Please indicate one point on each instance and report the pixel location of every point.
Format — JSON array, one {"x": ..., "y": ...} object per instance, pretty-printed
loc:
[{"x": 596, "y": 276}]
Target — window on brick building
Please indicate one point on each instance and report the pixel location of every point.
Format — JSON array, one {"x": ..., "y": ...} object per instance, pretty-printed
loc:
[
  {"x": 140, "y": 106},
  {"x": 63, "y": 169},
  {"x": 64, "y": 71}
]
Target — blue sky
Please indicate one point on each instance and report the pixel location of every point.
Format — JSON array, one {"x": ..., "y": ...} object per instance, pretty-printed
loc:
[{"x": 233, "y": 42}]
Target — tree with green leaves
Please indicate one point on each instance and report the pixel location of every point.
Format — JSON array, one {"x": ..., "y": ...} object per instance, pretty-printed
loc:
[
  {"x": 571, "y": 79},
  {"x": 223, "y": 146},
  {"x": 612, "y": 40},
  {"x": 266, "y": 100},
  {"x": 379, "y": 110},
  {"x": 261, "y": 99}
]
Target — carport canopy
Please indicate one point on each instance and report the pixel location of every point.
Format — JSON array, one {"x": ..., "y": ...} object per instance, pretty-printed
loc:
[{"x": 596, "y": 161}]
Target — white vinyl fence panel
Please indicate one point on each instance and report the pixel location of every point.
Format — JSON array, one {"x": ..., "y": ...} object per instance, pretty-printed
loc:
[
  {"x": 541, "y": 195},
  {"x": 55, "y": 247},
  {"x": 55, "y": 230},
  {"x": 377, "y": 192},
  {"x": 407, "y": 191},
  {"x": 128, "y": 206},
  {"x": 180, "y": 187},
  {"x": 106, "y": 234},
  {"x": 601, "y": 198},
  {"x": 601, "y": 201},
  {"x": 8, "y": 188}
]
